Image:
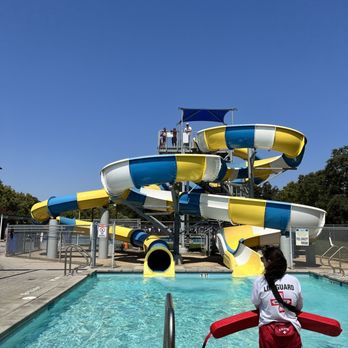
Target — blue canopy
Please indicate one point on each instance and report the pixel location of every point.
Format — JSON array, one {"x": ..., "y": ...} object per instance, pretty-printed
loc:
[{"x": 204, "y": 115}]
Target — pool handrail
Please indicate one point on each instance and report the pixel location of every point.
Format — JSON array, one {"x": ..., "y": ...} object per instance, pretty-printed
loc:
[
  {"x": 339, "y": 267},
  {"x": 169, "y": 323},
  {"x": 69, "y": 248},
  {"x": 327, "y": 254}
]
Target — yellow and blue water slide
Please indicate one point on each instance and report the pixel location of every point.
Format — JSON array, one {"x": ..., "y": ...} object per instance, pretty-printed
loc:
[
  {"x": 256, "y": 221},
  {"x": 289, "y": 142},
  {"x": 158, "y": 260}
]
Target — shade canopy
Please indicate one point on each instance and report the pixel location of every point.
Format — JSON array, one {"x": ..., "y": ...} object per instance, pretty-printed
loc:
[{"x": 213, "y": 115}]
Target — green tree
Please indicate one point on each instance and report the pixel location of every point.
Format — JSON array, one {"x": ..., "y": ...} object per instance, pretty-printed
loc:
[
  {"x": 337, "y": 210},
  {"x": 266, "y": 191},
  {"x": 336, "y": 172},
  {"x": 15, "y": 203},
  {"x": 326, "y": 188},
  {"x": 336, "y": 185},
  {"x": 309, "y": 190}
]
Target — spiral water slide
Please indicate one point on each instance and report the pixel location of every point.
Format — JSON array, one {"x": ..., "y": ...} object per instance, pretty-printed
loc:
[{"x": 132, "y": 180}]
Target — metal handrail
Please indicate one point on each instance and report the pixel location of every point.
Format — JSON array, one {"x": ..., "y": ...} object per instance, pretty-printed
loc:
[
  {"x": 169, "y": 323},
  {"x": 332, "y": 247},
  {"x": 341, "y": 270},
  {"x": 68, "y": 250}
]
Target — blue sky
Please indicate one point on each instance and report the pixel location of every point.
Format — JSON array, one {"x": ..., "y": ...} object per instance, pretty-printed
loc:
[{"x": 85, "y": 83}]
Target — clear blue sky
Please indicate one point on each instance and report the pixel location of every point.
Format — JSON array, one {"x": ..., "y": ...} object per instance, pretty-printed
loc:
[{"x": 85, "y": 83}]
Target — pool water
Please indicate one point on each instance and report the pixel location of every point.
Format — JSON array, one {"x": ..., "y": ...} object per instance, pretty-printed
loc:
[{"x": 126, "y": 310}]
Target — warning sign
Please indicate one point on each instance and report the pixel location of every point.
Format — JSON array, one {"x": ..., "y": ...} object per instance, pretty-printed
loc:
[
  {"x": 102, "y": 230},
  {"x": 302, "y": 236}
]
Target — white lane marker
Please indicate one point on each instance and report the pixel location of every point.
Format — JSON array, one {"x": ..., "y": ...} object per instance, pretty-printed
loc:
[
  {"x": 54, "y": 279},
  {"x": 30, "y": 291}
]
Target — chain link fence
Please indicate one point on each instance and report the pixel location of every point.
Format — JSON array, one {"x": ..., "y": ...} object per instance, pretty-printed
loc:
[
  {"x": 338, "y": 235},
  {"x": 329, "y": 249},
  {"x": 32, "y": 240}
]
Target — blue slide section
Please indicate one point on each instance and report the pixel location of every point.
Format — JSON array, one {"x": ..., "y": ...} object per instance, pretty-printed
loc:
[
  {"x": 189, "y": 203},
  {"x": 147, "y": 171},
  {"x": 238, "y": 137},
  {"x": 56, "y": 205},
  {"x": 277, "y": 215}
]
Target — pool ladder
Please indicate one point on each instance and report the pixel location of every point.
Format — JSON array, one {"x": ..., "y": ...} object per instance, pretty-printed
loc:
[
  {"x": 68, "y": 254},
  {"x": 169, "y": 323},
  {"x": 329, "y": 255}
]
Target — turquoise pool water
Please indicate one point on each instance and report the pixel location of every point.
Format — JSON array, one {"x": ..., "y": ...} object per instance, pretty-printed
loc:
[{"x": 128, "y": 311}]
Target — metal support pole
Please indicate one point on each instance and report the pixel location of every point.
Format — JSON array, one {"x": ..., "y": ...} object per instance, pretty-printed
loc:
[
  {"x": 231, "y": 151},
  {"x": 1, "y": 220},
  {"x": 70, "y": 260},
  {"x": 113, "y": 244},
  {"x": 150, "y": 218},
  {"x": 251, "y": 161},
  {"x": 60, "y": 245},
  {"x": 94, "y": 233},
  {"x": 175, "y": 196},
  {"x": 291, "y": 256},
  {"x": 181, "y": 131},
  {"x": 184, "y": 222},
  {"x": 103, "y": 241}
]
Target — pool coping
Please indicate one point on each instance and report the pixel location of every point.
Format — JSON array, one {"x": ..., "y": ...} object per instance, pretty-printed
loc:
[{"x": 39, "y": 305}]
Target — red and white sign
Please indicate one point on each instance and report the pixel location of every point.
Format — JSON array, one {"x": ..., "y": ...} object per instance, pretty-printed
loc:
[{"x": 102, "y": 231}]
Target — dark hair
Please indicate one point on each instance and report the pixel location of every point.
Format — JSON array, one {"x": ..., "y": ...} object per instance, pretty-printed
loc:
[
  {"x": 276, "y": 263},
  {"x": 274, "y": 270}
]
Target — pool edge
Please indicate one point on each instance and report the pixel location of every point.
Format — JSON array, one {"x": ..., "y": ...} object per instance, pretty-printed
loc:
[{"x": 40, "y": 307}]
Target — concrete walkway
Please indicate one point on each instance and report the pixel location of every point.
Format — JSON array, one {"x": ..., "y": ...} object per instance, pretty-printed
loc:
[{"x": 27, "y": 285}]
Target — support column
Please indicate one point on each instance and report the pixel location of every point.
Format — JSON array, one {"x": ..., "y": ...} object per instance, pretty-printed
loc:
[
  {"x": 251, "y": 160},
  {"x": 177, "y": 222},
  {"x": 285, "y": 246},
  {"x": 52, "y": 243},
  {"x": 310, "y": 256},
  {"x": 184, "y": 223},
  {"x": 103, "y": 241}
]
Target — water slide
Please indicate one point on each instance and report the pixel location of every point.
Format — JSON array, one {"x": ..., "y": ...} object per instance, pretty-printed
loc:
[
  {"x": 254, "y": 222},
  {"x": 158, "y": 260}
]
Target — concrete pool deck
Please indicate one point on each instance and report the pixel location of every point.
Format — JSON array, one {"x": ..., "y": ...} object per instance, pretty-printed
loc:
[{"x": 27, "y": 285}]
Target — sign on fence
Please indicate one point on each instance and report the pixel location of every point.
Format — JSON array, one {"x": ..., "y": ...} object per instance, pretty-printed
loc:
[
  {"x": 302, "y": 236},
  {"x": 102, "y": 231}
]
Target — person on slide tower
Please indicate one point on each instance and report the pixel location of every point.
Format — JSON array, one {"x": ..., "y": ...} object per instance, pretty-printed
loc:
[{"x": 278, "y": 298}]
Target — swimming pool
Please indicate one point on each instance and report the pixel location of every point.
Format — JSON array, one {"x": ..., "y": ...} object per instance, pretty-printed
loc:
[{"x": 126, "y": 310}]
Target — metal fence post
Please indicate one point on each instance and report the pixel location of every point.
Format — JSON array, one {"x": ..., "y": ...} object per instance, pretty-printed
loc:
[
  {"x": 60, "y": 245},
  {"x": 1, "y": 220},
  {"x": 113, "y": 244},
  {"x": 94, "y": 232}
]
